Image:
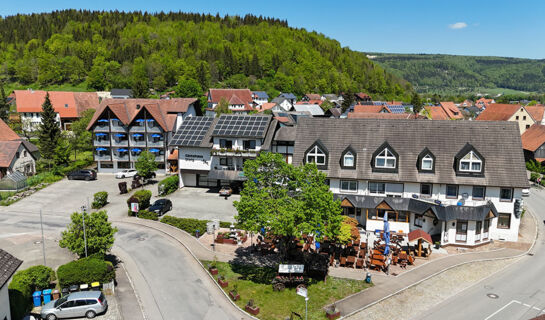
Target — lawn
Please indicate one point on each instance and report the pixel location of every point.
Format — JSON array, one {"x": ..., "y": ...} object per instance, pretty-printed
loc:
[{"x": 255, "y": 283}]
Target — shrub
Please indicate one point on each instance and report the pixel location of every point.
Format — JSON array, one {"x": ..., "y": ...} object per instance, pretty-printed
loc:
[
  {"x": 534, "y": 176},
  {"x": 168, "y": 185},
  {"x": 100, "y": 199},
  {"x": 44, "y": 177},
  {"x": 542, "y": 182},
  {"x": 187, "y": 224},
  {"x": 23, "y": 284},
  {"x": 145, "y": 214},
  {"x": 86, "y": 270},
  {"x": 143, "y": 197}
]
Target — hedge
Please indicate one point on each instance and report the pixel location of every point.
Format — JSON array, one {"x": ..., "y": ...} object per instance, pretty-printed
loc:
[
  {"x": 187, "y": 224},
  {"x": 86, "y": 270},
  {"x": 142, "y": 197},
  {"x": 145, "y": 214},
  {"x": 100, "y": 200},
  {"x": 534, "y": 176},
  {"x": 23, "y": 284},
  {"x": 168, "y": 185}
]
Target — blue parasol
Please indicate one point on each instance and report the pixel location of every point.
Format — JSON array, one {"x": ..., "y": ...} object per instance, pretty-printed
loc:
[{"x": 386, "y": 234}]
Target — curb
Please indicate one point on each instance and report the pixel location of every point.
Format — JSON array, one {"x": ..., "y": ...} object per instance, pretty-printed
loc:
[
  {"x": 196, "y": 259},
  {"x": 446, "y": 269}
]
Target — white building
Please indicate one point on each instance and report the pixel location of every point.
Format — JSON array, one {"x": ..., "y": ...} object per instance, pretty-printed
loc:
[
  {"x": 8, "y": 265},
  {"x": 260, "y": 97},
  {"x": 240, "y": 101},
  {"x": 448, "y": 178}
]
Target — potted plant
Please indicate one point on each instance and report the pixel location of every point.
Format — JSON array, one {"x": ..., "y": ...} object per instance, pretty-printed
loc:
[
  {"x": 251, "y": 308},
  {"x": 234, "y": 294},
  {"x": 332, "y": 312},
  {"x": 222, "y": 282},
  {"x": 437, "y": 244}
]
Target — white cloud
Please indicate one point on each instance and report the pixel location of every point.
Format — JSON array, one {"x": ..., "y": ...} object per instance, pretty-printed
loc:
[{"x": 458, "y": 25}]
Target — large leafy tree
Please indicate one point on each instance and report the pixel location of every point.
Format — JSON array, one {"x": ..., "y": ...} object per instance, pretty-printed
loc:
[
  {"x": 222, "y": 107},
  {"x": 99, "y": 233},
  {"x": 145, "y": 164},
  {"x": 287, "y": 200},
  {"x": 4, "y": 106},
  {"x": 81, "y": 139},
  {"x": 49, "y": 131}
]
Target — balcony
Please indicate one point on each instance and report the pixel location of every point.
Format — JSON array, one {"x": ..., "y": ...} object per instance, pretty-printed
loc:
[
  {"x": 120, "y": 141},
  {"x": 152, "y": 126},
  {"x": 101, "y": 143},
  {"x": 159, "y": 154},
  {"x": 154, "y": 140},
  {"x": 102, "y": 126},
  {"x": 139, "y": 126},
  {"x": 121, "y": 155},
  {"x": 233, "y": 152},
  {"x": 103, "y": 154}
]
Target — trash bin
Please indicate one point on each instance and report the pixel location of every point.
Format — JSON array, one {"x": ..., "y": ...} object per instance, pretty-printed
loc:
[
  {"x": 56, "y": 294},
  {"x": 37, "y": 298},
  {"x": 47, "y": 295},
  {"x": 95, "y": 286},
  {"x": 84, "y": 287},
  {"x": 74, "y": 288},
  {"x": 368, "y": 278},
  {"x": 65, "y": 291}
]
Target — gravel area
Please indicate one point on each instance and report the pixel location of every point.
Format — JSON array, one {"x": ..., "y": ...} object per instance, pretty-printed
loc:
[{"x": 416, "y": 300}]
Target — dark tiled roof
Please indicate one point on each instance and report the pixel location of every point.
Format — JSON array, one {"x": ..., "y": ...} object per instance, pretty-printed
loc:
[
  {"x": 504, "y": 162},
  {"x": 286, "y": 133},
  {"x": 8, "y": 266},
  {"x": 121, "y": 92}
]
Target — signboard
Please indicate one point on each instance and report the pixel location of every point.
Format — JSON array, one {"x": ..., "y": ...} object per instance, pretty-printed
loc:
[
  {"x": 199, "y": 156},
  {"x": 302, "y": 292},
  {"x": 291, "y": 268},
  {"x": 134, "y": 206}
]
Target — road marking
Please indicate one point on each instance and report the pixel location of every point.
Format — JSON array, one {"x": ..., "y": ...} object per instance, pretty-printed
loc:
[{"x": 514, "y": 301}]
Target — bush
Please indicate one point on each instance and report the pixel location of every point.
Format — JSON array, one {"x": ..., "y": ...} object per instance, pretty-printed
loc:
[
  {"x": 187, "y": 224},
  {"x": 143, "y": 197},
  {"x": 86, "y": 270},
  {"x": 23, "y": 284},
  {"x": 168, "y": 185},
  {"x": 542, "y": 182},
  {"x": 145, "y": 214},
  {"x": 100, "y": 199},
  {"x": 534, "y": 176},
  {"x": 44, "y": 177}
]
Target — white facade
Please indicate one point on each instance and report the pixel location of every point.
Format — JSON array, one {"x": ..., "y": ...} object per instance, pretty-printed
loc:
[
  {"x": 31, "y": 121},
  {"x": 4, "y": 303},
  {"x": 23, "y": 162}
]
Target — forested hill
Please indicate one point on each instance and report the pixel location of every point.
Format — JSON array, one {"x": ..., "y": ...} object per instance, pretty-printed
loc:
[
  {"x": 464, "y": 74},
  {"x": 102, "y": 50}
]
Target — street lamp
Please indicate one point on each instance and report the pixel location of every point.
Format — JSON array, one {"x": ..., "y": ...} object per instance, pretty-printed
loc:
[{"x": 83, "y": 209}]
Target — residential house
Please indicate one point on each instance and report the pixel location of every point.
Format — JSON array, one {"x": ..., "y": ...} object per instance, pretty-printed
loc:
[
  {"x": 123, "y": 128},
  {"x": 240, "y": 100},
  {"x": 284, "y": 142},
  {"x": 284, "y": 103},
  {"x": 436, "y": 113},
  {"x": 317, "y": 102},
  {"x": 311, "y": 96},
  {"x": 212, "y": 151},
  {"x": 121, "y": 94},
  {"x": 260, "y": 97},
  {"x": 290, "y": 96},
  {"x": 472, "y": 111},
  {"x": 533, "y": 143},
  {"x": 269, "y": 106},
  {"x": 8, "y": 265},
  {"x": 69, "y": 106},
  {"x": 398, "y": 107},
  {"x": 314, "y": 109},
  {"x": 363, "y": 98},
  {"x": 337, "y": 100},
  {"x": 466, "y": 104},
  {"x": 365, "y": 115},
  {"x": 447, "y": 178},
  {"x": 370, "y": 109},
  {"x": 483, "y": 103},
  {"x": 452, "y": 111},
  {"x": 511, "y": 112},
  {"x": 16, "y": 154},
  {"x": 334, "y": 112}
]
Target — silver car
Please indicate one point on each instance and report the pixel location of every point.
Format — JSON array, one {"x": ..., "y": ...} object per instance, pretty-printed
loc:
[{"x": 77, "y": 304}]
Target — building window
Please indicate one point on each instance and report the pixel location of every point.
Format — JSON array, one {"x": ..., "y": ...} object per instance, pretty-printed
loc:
[
  {"x": 17, "y": 155},
  {"x": 385, "y": 159},
  {"x": 478, "y": 227},
  {"x": 226, "y": 144},
  {"x": 504, "y": 220},
  {"x": 316, "y": 155},
  {"x": 226, "y": 162},
  {"x": 248, "y": 144},
  {"x": 24, "y": 153},
  {"x": 478, "y": 192},
  {"x": 452, "y": 191},
  {"x": 123, "y": 165},
  {"x": 470, "y": 163},
  {"x": 461, "y": 231},
  {"x": 426, "y": 189},
  {"x": 527, "y": 126},
  {"x": 377, "y": 187},
  {"x": 485, "y": 228},
  {"x": 523, "y": 117},
  {"x": 418, "y": 220},
  {"x": 427, "y": 163},
  {"x": 349, "y": 185},
  {"x": 105, "y": 165},
  {"x": 506, "y": 194},
  {"x": 348, "y": 159},
  {"x": 517, "y": 117}
]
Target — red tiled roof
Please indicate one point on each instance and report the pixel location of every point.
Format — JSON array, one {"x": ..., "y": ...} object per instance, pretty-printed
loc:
[
  {"x": 498, "y": 112},
  {"x": 282, "y": 119},
  {"x": 67, "y": 104},
  {"x": 419, "y": 234},
  {"x": 437, "y": 113},
  {"x": 318, "y": 102},
  {"x": 539, "y": 159},
  {"x": 313, "y": 96},
  {"x": 266, "y": 106},
  {"x": 235, "y": 100},
  {"x": 171, "y": 121},
  {"x": 359, "y": 108},
  {"x": 363, "y": 96},
  {"x": 244, "y": 95},
  {"x": 6, "y": 134},
  {"x": 533, "y": 137},
  {"x": 536, "y": 111},
  {"x": 451, "y": 110},
  {"x": 173, "y": 155},
  {"x": 8, "y": 150}
]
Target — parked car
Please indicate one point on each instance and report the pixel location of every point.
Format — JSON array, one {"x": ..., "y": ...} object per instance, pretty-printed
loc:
[
  {"x": 83, "y": 174},
  {"x": 525, "y": 192},
  {"x": 77, "y": 304},
  {"x": 161, "y": 206},
  {"x": 226, "y": 191},
  {"x": 126, "y": 173}
]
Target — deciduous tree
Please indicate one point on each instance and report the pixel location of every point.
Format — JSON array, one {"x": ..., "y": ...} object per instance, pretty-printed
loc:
[
  {"x": 222, "y": 107},
  {"x": 146, "y": 165}
]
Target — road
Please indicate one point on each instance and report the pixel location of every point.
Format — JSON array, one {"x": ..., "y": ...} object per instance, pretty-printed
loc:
[
  {"x": 169, "y": 283},
  {"x": 517, "y": 292}
]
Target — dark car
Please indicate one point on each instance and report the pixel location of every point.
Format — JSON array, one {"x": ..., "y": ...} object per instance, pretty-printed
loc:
[
  {"x": 161, "y": 206},
  {"x": 84, "y": 174}
]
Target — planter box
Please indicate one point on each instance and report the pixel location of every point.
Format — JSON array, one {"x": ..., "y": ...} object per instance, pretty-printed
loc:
[
  {"x": 218, "y": 240},
  {"x": 252, "y": 310},
  {"x": 229, "y": 241},
  {"x": 332, "y": 316},
  {"x": 233, "y": 296},
  {"x": 223, "y": 284},
  {"x": 213, "y": 271}
]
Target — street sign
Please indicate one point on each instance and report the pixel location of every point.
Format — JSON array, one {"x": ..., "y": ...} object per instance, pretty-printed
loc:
[
  {"x": 134, "y": 206},
  {"x": 302, "y": 291}
]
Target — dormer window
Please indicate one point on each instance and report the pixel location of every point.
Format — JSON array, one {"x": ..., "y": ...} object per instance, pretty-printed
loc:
[
  {"x": 427, "y": 163},
  {"x": 385, "y": 159},
  {"x": 471, "y": 163},
  {"x": 348, "y": 159},
  {"x": 316, "y": 155}
]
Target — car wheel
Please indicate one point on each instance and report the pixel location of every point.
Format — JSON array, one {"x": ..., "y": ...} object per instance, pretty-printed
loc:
[
  {"x": 51, "y": 317},
  {"x": 123, "y": 177},
  {"x": 87, "y": 178},
  {"x": 90, "y": 314}
]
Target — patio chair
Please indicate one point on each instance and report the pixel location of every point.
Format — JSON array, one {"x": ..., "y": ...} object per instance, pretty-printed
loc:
[
  {"x": 343, "y": 261},
  {"x": 359, "y": 263}
]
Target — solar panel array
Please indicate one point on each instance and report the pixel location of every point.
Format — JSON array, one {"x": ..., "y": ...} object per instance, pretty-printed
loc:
[
  {"x": 241, "y": 126},
  {"x": 192, "y": 131},
  {"x": 397, "y": 108}
]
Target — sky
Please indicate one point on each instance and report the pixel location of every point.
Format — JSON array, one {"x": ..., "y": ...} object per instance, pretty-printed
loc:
[{"x": 505, "y": 28}]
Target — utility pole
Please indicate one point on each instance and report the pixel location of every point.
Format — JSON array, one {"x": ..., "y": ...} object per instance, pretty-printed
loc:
[
  {"x": 83, "y": 208},
  {"x": 43, "y": 239}
]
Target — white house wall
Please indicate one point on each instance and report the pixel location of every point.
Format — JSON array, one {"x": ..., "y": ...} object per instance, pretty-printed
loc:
[{"x": 4, "y": 303}]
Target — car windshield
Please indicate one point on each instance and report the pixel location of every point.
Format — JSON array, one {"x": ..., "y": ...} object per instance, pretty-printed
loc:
[
  {"x": 60, "y": 301},
  {"x": 159, "y": 202}
]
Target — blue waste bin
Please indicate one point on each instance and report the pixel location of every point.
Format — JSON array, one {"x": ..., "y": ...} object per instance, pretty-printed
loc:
[
  {"x": 37, "y": 298},
  {"x": 47, "y": 295},
  {"x": 368, "y": 277}
]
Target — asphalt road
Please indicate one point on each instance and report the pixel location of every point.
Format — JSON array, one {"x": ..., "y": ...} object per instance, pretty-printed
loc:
[{"x": 517, "y": 292}]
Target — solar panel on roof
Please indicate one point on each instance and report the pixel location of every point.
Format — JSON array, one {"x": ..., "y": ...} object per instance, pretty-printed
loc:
[
  {"x": 241, "y": 126},
  {"x": 192, "y": 131}
]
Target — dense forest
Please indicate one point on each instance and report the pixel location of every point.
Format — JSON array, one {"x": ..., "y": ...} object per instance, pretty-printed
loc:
[
  {"x": 448, "y": 74},
  {"x": 103, "y": 50}
]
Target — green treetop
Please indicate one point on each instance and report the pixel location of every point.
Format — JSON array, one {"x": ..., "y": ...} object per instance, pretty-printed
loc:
[
  {"x": 145, "y": 164},
  {"x": 49, "y": 131}
]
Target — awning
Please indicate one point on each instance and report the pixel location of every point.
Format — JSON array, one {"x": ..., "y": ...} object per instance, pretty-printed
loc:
[
  {"x": 136, "y": 150},
  {"x": 137, "y": 134},
  {"x": 102, "y": 120},
  {"x": 139, "y": 120},
  {"x": 100, "y": 134},
  {"x": 101, "y": 149},
  {"x": 231, "y": 175},
  {"x": 122, "y": 150},
  {"x": 154, "y": 150},
  {"x": 150, "y": 120},
  {"x": 155, "y": 135},
  {"x": 119, "y": 134},
  {"x": 115, "y": 119}
]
